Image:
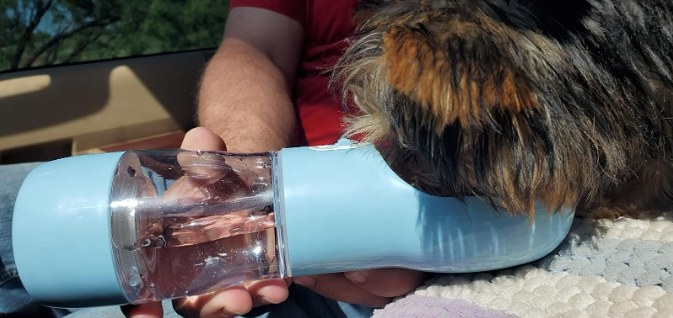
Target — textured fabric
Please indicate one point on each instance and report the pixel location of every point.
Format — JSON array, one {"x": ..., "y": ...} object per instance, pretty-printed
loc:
[
  {"x": 605, "y": 268},
  {"x": 294, "y": 9},
  {"x": 327, "y": 26},
  {"x": 426, "y": 306}
]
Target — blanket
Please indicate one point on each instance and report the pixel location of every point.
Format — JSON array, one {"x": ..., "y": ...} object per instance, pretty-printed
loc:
[{"x": 605, "y": 268}]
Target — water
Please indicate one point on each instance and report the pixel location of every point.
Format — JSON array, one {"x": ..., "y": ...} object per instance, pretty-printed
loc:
[
  {"x": 187, "y": 223},
  {"x": 194, "y": 255},
  {"x": 179, "y": 229}
]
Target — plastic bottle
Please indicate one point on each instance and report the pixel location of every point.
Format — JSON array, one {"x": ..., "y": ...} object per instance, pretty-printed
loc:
[{"x": 140, "y": 226}]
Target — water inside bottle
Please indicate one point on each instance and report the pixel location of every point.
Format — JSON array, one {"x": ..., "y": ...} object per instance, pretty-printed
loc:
[
  {"x": 198, "y": 223},
  {"x": 198, "y": 234},
  {"x": 196, "y": 255}
]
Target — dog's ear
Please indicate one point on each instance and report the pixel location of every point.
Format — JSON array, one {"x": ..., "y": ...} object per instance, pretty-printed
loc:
[
  {"x": 512, "y": 100},
  {"x": 451, "y": 66},
  {"x": 446, "y": 88},
  {"x": 456, "y": 71}
]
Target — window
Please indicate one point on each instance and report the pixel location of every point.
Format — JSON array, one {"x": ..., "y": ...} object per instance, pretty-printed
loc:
[
  {"x": 101, "y": 72},
  {"x": 49, "y": 32}
]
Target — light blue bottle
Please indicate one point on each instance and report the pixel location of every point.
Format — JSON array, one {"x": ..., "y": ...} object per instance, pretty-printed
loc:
[{"x": 140, "y": 226}]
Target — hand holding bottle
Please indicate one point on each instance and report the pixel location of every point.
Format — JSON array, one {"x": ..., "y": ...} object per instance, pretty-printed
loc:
[
  {"x": 233, "y": 300},
  {"x": 376, "y": 290}
]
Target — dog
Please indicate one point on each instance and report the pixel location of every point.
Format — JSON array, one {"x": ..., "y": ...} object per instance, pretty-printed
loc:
[{"x": 566, "y": 102}]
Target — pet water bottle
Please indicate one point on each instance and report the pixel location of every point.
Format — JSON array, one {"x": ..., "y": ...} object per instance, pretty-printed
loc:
[{"x": 148, "y": 225}]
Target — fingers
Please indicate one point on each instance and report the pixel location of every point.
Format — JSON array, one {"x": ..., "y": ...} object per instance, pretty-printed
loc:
[
  {"x": 265, "y": 292},
  {"x": 149, "y": 310},
  {"x": 203, "y": 168},
  {"x": 388, "y": 282},
  {"x": 233, "y": 301},
  {"x": 230, "y": 302},
  {"x": 374, "y": 287},
  {"x": 338, "y": 287}
]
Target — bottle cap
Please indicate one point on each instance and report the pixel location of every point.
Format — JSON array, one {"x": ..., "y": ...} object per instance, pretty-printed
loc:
[{"x": 61, "y": 232}]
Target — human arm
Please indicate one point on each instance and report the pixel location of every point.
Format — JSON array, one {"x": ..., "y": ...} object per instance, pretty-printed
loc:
[
  {"x": 245, "y": 93},
  {"x": 245, "y": 99}
]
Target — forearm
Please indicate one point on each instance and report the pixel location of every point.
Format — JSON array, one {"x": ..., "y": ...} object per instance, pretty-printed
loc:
[{"x": 245, "y": 99}]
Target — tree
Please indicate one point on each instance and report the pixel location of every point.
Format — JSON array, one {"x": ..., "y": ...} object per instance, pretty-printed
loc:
[{"x": 47, "y": 32}]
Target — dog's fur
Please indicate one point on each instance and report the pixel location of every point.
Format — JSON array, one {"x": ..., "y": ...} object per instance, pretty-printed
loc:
[{"x": 566, "y": 101}]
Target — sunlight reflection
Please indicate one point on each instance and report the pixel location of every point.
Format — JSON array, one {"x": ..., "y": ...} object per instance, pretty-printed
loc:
[{"x": 24, "y": 85}]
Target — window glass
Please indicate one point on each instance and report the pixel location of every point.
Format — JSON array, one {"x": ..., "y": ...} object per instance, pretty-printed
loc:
[{"x": 37, "y": 33}]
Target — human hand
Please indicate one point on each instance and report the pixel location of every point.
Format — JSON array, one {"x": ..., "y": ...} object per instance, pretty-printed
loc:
[
  {"x": 225, "y": 303},
  {"x": 375, "y": 287}
]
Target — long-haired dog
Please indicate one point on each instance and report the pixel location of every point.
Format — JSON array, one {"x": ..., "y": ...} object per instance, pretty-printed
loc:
[{"x": 569, "y": 102}]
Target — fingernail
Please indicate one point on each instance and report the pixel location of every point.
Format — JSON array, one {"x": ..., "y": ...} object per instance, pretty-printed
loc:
[
  {"x": 305, "y": 281},
  {"x": 356, "y": 277}
]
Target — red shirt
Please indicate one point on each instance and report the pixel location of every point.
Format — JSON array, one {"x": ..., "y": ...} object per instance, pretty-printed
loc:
[{"x": 327, "y": 25}]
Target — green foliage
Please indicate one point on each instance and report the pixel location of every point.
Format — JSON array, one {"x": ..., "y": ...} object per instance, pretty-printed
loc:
[{"x": 48, "y": 32}]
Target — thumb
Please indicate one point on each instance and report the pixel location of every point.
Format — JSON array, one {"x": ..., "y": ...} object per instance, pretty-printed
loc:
[{"x": 201, "y": 138}]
